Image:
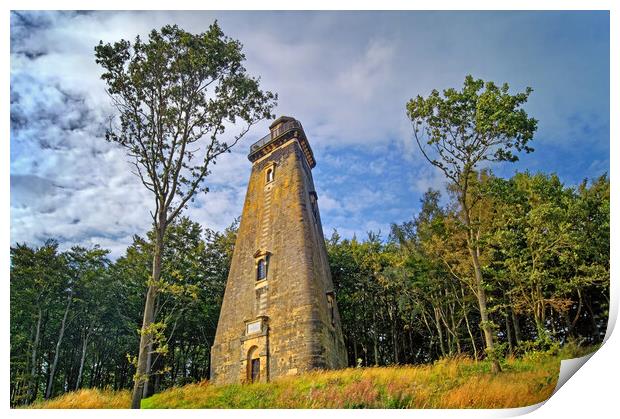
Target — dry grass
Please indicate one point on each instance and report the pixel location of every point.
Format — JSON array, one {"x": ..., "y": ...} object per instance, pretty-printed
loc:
[
  {"x": 454, "y": 383},
  {"x": 505, "y": 390},
  {"x": 88, "y": 399},
  {"x": 493, "y": 393},
  {"x": 448, "y": 383}
]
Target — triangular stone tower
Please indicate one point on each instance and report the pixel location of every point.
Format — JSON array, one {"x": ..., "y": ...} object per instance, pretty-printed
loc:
[{"x": 279, "y": 314}]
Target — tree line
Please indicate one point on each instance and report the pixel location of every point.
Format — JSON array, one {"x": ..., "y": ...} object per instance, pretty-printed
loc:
[
  {"x": 76, "y": 315},
  {"x": 411, "y": 297},
  {"x": 403, "y": 299}
]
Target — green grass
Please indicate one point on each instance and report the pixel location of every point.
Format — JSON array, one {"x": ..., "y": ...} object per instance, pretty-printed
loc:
[{"x": 448, "y": 383}]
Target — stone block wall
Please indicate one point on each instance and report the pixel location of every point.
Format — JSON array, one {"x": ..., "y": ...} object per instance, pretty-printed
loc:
[{"x": 286, "y": 320}]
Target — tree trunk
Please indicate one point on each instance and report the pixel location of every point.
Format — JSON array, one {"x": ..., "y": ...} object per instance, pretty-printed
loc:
[
  {"x": 149, "y": 363},
  {"x": 480, "y": 291},
  {"x": 509, "y": 333},
  {"x": 453, "y": 327},
  {"x": 70, "y": 370},
  {"x": 83, "y": 358},
  {"x": 50, "y": 383},
  {"x": 156, "y": 384},
  {"x": 174, "y": 363},
  {"x": 395, "y": 343},
  {"x": 484, "y": 316},
  {"x": 439, "y": 332},
  {"x": 571, "y": 324},
  {"x": 471, "y": 335},
  {"x": 538, "y": 320},
  {"x": 375, "y": 339},
  {"x": 515, "y": 324},
  {"x": 149, "y": 312},
  {"x": 394, "y": 335},
  {"x": 33, "y": 368}
]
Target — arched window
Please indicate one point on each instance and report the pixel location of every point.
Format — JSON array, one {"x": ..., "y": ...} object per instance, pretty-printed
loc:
[
  {"x": 270, "y": 175},
  {"x": 261, "y": 260},
  {"x": 261, "y": 270}
]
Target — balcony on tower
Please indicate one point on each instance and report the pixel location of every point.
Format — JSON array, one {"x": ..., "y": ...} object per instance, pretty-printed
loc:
[{"x": 282, "y": 130}]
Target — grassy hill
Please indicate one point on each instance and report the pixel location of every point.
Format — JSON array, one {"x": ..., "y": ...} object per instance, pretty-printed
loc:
[{"x": 448, "y": 383}]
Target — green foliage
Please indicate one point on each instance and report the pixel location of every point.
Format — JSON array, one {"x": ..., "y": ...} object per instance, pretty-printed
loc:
[
  {"x": 106, "y": 309},
  {"x": 481, "y": 122},
  {"x": 456, "y": 132},
  {"x": 410, "y": 300},
  {"x": 172, "y": 91},
  {"x": 49, "y": 289},
  {"x": 194, "y": 272}
]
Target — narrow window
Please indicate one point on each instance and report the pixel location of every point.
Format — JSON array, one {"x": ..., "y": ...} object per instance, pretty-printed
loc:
[
  {"x": 270, "y": 175},
  {"x": 330, "y": 305},
  {"x": 313, "y": 199},
  {"x": 261, "y": 270},
  {"x": 331, "y": 311}
]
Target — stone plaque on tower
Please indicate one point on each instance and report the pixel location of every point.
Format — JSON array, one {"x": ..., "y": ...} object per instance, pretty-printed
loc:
[{"x": 279, "y": 314}]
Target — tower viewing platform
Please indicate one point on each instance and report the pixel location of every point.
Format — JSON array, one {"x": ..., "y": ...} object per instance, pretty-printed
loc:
[{"x": 282, "y": 130}]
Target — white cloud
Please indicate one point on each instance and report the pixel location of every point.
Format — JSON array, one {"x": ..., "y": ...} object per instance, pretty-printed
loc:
[
  {"x": 366, "y": 197},
  {"x": 367, "y": 75},
  {"x": 217, "y": 209},
  {"x": 425, "y": 178},
  {"x": 329, "y": 205},
  {"x": 346, "y": 76}
]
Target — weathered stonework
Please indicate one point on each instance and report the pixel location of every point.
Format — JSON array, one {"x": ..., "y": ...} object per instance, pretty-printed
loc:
[{"x": 288, "y": 321}]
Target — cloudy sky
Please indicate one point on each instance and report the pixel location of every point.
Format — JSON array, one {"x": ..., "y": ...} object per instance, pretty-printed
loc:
[{"x": 345, "y": 75}]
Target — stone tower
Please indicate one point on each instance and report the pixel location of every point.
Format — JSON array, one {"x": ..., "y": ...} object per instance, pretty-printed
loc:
[{"x": 279, "y": 313}]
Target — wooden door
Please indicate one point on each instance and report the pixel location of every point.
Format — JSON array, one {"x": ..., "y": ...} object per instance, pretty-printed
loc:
[{"x": 255, "y": 370}]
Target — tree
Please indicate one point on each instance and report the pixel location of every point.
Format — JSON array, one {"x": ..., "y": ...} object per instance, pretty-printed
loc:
[
  {"x": 176, "y": 95},
  {"x": 552, "y": 247},
  {"x": 456, "y": 132},
  {"x": 38, "y": 277},
  {"x": 590, "y": 280},
  {"x": 195, "y": 266},
  {"x": 433, "y": 247},
  {"x": 92, "y": 286},
  {"x": 535, "y": 236}
]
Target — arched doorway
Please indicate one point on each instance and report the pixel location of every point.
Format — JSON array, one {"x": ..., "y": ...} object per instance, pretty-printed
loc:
[{"x": 253, "y": 370}]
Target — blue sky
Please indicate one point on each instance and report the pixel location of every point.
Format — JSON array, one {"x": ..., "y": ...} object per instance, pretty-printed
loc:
[{"x": 345, "y": 75}]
